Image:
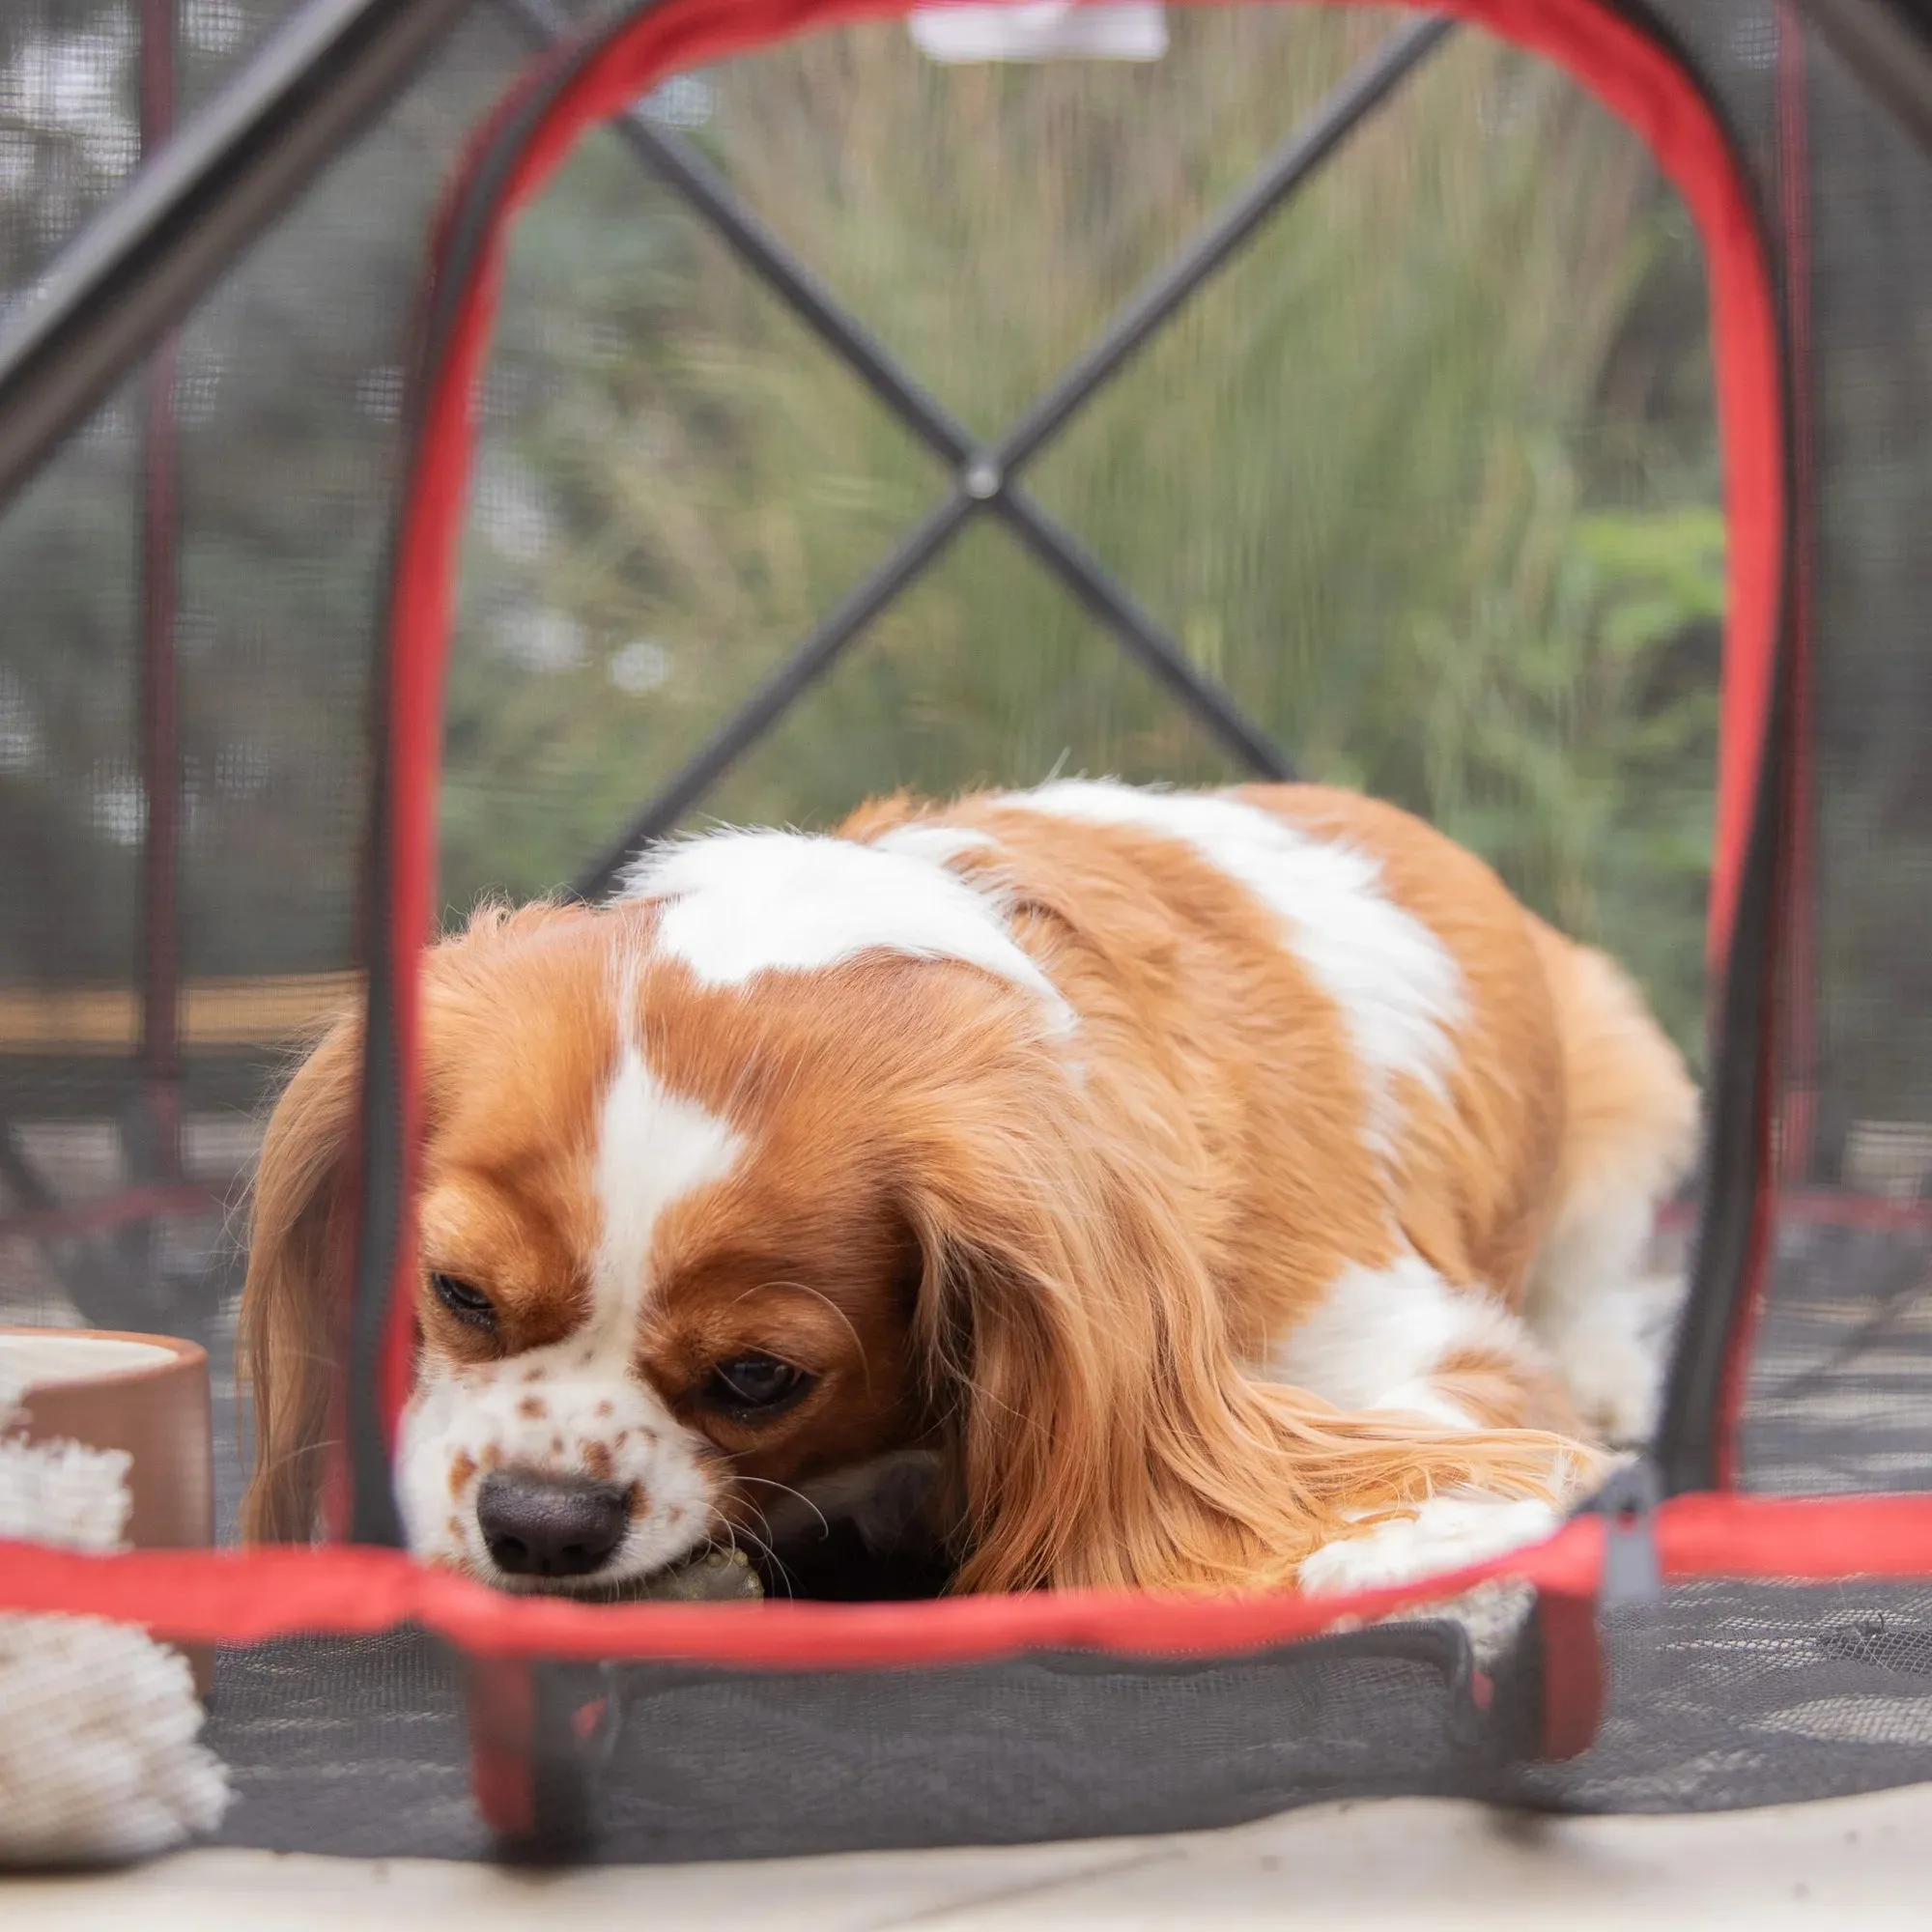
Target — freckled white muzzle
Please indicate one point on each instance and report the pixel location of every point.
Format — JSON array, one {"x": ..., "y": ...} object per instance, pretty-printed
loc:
[{"x": 551, "y": 1415}]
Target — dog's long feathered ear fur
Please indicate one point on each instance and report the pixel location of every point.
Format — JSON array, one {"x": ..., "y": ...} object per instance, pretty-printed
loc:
[
  {"x": 1100, "y": 1431},
  {"x": 296, "y": 1248},
  {"x": 298, "y": 1252}
]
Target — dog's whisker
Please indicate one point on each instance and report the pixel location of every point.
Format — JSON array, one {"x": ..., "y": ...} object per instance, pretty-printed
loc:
[{"x": 766, "y": 1482}]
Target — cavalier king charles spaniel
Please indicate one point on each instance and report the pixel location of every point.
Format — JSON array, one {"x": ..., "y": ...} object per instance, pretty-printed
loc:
[{"x": 1119, "y": 1187}]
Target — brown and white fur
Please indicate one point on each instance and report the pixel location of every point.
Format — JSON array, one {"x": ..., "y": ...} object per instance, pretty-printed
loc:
[{"x": 1197, "y": 1190}]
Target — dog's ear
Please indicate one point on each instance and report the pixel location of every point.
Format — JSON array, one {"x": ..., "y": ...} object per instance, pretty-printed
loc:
[
  {"x": 297, "y": 1250},
  {"x": 298, "y": 1253},
  {"x": 1100, "y": 1430}
]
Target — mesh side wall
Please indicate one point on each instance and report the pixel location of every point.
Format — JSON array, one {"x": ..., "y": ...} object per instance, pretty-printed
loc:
[
  {"x": 1839, "y": 1374},
  {"x": 602, "y": 638},
  {"x": 284, "y": 410},
  {"x": 1836, "y": 1390}
]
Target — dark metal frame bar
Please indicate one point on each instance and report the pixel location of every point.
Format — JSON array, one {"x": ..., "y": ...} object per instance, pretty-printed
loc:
[
  {"x": 140, "y": 264},
  {"x": 150, "y": 1121},
  {"x": 985, "y": 474},
  {"x": 1887, "y": 43}
]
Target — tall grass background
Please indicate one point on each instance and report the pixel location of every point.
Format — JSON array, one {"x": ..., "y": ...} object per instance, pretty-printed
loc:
[{"x": 1427, "y": 477}]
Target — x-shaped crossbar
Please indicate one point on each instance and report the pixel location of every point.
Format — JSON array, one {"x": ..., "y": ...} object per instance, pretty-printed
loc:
[{"x": 985, "y": 475}]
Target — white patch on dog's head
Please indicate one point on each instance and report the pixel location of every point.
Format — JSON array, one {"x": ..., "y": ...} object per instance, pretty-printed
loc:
[
  {"x": 740, "y": 903},
  {"x": 577, "y": 1407},
  {"x": 653, "y": 1147},
  {"x": 938, "y": 845}
]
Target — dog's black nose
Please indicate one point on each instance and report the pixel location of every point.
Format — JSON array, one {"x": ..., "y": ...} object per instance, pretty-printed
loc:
[{"x": 551, "y": 1526}]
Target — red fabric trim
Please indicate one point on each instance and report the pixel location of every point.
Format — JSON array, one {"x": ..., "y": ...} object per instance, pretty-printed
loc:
[
  {"x": 1798, "y": 1539},
  {"x": 502, "y": 1707},
  {"x": 259, "y": 1595},
  {"x": 1785, "y": 1041},
  {"x": 1574, "y": 1680},
  {"x": 1633, "y": 76},
  {"x": 240, "y": 1597},
  {"x": 1785, "y": 1046}
]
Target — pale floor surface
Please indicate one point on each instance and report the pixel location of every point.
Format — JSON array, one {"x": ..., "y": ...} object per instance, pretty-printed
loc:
[{"x": 1419, "y": 1864}]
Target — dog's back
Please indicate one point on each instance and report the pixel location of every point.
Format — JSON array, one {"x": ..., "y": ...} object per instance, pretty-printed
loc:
[{"x": 1428, "y": 1133}]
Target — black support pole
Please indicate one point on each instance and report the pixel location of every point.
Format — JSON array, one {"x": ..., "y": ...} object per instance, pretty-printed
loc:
[{"x": 140, "y": 264}]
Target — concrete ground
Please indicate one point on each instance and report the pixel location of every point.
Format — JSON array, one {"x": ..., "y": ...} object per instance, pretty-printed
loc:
[{"x": 1413, "y": 1863}]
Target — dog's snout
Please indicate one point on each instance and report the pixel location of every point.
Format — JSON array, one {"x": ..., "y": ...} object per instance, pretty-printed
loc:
[{"x": 551, "y": 1526}]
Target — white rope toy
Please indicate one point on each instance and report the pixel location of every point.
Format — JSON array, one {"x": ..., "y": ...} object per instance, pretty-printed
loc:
[{"x": 100, "y": 1758}]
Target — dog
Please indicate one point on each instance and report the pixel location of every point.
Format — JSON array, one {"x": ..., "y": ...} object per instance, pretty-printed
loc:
[{"x": 1130, "y": 1188}]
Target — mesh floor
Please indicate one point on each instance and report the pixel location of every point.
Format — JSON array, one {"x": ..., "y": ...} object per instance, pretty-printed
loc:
[{"x": 1723, "y": 1696}]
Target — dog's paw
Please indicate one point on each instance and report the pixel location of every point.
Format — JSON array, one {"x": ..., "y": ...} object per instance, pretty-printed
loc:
[
  {"x": 1614, "y": 1357},
  {"x": 1446, "y": 1533}
]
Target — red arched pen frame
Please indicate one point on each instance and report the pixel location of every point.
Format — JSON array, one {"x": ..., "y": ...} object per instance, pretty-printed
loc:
[{"x": 1630, "y": 72}]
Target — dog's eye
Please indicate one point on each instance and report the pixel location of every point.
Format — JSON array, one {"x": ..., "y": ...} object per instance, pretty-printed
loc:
[
  {"x": 755, "y": 1385},
  {"x": 469, "y": 1305}
]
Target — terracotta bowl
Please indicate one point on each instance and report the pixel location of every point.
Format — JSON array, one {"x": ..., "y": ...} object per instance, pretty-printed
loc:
[{"x": 147, "y": 1394}]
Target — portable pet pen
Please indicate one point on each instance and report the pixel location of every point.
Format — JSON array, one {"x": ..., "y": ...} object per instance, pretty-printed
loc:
[{"x": 236, "y": 432}]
